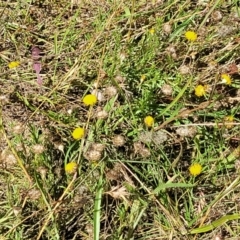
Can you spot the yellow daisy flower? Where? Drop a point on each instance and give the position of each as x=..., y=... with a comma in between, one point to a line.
x=149, y=121
x=191, y=36
x=200, y=90
x=13, y=64
x=195, y=169
x=152, y=31
x=90, y=100
x=71, y=168
x=226, y=79
x=229, y=119
x=78, y=133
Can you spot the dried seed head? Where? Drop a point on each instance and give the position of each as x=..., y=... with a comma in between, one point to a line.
x=98, y=147
x=167, y=28
x=171, y=51
x=103, y=114
x=122, y=56
x=98, y=94
x=18, y=129
x=17, y=210
x=118, y=140
x=186, y=131
x=167, y=90
x=43, y=172
x=145, y=137
x=93, y=155
x=119, y=79
x=216, y=16
x=118, y=192
x=34, y=194
x=137, y=147
x=110, y=91
x=115, y=173
x=3, y=99
x=237, y=165
x=184, y=69
x=159, y=137
x=144, y=152
x=7, y=158
x=38, y=149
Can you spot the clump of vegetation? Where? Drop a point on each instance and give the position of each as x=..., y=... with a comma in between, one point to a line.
x=119, y=119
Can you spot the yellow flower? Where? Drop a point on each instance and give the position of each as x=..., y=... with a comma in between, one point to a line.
x=191, y=36
x=78, y=133
x=149, y=121
x=71, y=168
x=143, y=77
x=13, y=64
x=90, y=100
x=200, y=90
x=152, y=31
x=226, y=79
x=229, y=119
x=195, y=169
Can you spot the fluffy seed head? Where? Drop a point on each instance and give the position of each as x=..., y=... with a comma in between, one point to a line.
x=167, y=28
x=110, y=91
x=38, y=149
x=93, y=155
x=98, y=147
x=118, y=140
x=167, y=90
x=103, y=114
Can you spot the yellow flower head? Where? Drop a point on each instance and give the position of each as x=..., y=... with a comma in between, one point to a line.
x=78, y=133
x=152, y=31
x=229, y=119
x=149, y=121
x=142, y=79
x=226, y=79
x=191, y=36
x=71, y=168
x=13, y=64
x=90, y=100
x=195, y=169
x=200, y=90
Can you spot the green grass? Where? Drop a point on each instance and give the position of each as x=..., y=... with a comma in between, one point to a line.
x=134, y=54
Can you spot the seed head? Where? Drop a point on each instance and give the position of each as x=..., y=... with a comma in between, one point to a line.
x=167, y=28
x=167, y=90
x=103, y=114
x=110, y=91
x=98, y=147
x=93, y=155
x=38, y=149
x=118, y=140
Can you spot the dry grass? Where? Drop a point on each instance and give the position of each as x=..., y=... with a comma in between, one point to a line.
x=132, y=182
